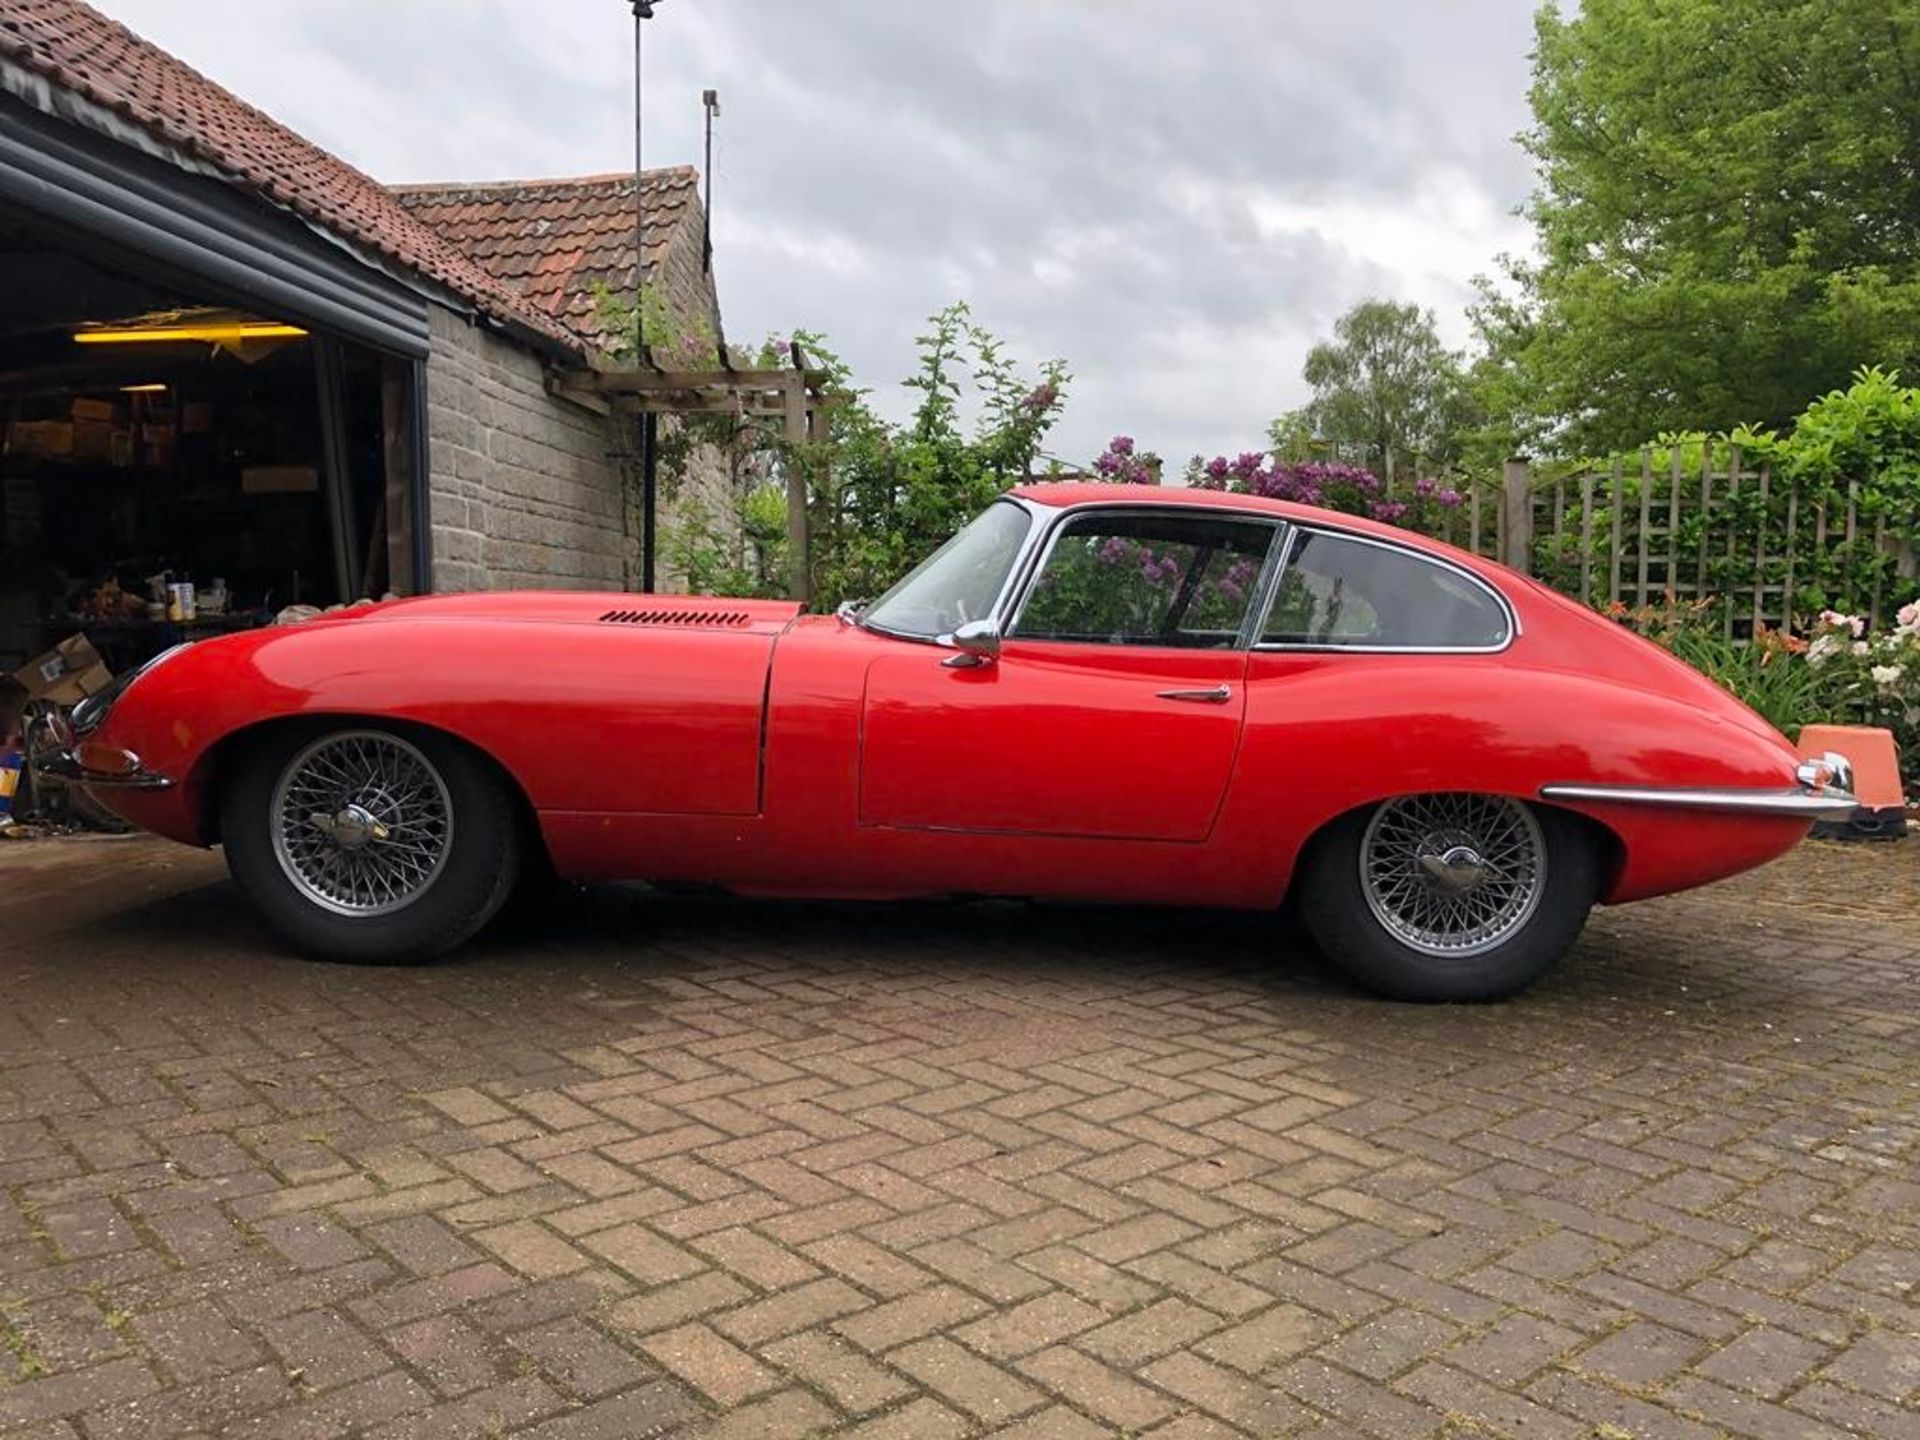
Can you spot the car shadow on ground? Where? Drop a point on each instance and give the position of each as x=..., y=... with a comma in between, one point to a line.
x=1644, y=966
x=614, y=970
x=615, y=934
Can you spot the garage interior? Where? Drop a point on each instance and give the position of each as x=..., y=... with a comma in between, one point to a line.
x=155, y=437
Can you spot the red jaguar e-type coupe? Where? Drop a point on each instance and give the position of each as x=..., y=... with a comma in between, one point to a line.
x=1096, y=692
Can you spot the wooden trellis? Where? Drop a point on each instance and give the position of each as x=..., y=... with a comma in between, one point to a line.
x=796, y=396
x=1695, y=527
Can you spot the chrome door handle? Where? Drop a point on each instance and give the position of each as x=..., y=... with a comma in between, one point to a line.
x=1218, y=695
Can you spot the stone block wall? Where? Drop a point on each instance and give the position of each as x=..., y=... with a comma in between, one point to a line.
x=527, y=488
x=531, y=491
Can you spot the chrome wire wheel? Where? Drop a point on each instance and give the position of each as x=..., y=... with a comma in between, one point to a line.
x=362, y=824
x=1453, y=875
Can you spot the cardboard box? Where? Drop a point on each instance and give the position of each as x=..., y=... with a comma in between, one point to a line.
x=51, y=439
x=279, y=480
x=66, y=674
x=92, y=440
x=98, y=410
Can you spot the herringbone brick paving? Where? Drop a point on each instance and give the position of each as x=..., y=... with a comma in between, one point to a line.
x=696, y=1167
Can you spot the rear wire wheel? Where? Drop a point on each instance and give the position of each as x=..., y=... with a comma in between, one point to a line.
x=1448, y=896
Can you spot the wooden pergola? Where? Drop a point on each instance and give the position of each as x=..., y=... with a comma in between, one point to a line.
x=795, y=395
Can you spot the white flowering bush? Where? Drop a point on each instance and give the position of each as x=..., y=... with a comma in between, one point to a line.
x=1839, y=673
x=1871, y=678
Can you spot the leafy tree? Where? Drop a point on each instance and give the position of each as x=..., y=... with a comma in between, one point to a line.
x=881, y=496
x=885, y=495
x=1384, y=385
x=1728, y=213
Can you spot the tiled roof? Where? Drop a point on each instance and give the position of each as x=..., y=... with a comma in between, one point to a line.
x=555, y=241
x=78, y=49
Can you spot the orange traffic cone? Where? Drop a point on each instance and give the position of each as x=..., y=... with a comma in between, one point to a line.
x=1876, y=780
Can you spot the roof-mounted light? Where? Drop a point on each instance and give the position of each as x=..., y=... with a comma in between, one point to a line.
x=219, y=334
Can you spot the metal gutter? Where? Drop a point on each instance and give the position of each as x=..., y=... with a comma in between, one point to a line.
x=200, y=228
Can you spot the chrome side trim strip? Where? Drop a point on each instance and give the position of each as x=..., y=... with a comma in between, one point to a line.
x=1826, y=804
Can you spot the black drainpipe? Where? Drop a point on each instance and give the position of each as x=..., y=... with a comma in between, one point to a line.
x=649, y=498
x=422, y=534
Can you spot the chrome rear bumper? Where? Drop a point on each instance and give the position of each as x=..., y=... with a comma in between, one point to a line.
x=1824, y=793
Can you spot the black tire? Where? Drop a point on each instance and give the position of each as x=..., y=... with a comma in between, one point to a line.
x=1334, y=904
x=473, y=871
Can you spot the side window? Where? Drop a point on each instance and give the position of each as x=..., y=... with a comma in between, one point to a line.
x=1136, y=579
x=1335, y=591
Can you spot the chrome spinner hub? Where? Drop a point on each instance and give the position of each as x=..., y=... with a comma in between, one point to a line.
x=351, y=828
x=1456, y=869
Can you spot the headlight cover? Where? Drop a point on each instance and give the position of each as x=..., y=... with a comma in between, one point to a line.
x=87, y=715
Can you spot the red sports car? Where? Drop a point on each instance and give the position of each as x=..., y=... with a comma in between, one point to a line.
x=1095, y=692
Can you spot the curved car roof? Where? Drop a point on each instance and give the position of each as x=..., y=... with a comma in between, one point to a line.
x=1061, y=494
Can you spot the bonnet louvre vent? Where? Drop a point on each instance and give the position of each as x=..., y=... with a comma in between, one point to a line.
x=674, y=617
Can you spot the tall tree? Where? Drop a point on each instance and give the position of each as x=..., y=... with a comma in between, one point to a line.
x=1384, y=385
x=1728, y=213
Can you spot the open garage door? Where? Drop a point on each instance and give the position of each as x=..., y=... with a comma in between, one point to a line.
x=208, y=411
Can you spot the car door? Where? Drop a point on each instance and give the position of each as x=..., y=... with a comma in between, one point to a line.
x=1114, y=707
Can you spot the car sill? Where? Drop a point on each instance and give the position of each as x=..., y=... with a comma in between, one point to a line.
x=1798, y=803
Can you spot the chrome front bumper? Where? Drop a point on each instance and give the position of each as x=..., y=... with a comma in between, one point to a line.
x=62, y=765
x=1824, y=792
x=112, y=769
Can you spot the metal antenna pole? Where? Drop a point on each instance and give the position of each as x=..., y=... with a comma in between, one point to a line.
x=642, y=12
x=710, y=102
x=649, y=422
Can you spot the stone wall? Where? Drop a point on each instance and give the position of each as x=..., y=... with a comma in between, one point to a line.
x=532, y=491
x=527, y=488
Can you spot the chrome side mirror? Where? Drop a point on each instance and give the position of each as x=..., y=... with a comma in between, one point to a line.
x=978, y=642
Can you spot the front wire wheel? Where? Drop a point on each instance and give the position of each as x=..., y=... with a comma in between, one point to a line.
x=1448, y=895
x=362, y=822
x=369, y=843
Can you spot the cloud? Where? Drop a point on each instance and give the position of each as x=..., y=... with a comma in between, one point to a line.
x=1175, y=198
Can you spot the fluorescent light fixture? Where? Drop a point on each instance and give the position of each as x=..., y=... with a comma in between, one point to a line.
x=229, y=333
x=154, y=389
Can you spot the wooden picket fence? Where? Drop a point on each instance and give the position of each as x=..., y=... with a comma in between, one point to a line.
x=1699, y=526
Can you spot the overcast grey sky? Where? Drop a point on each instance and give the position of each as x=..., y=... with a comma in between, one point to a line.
x=1177, y=197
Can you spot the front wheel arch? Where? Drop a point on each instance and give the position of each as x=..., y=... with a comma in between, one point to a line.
x=221, y=761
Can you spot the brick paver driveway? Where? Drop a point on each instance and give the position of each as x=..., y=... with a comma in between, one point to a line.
x=653, y=1165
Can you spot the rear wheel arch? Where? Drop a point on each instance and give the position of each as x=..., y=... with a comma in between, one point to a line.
x=1610, y=851
x=1401, y=945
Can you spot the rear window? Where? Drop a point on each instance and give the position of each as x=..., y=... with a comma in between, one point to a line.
x=1339, y=592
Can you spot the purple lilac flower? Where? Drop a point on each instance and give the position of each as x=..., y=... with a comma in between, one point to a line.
x=1388, y=510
